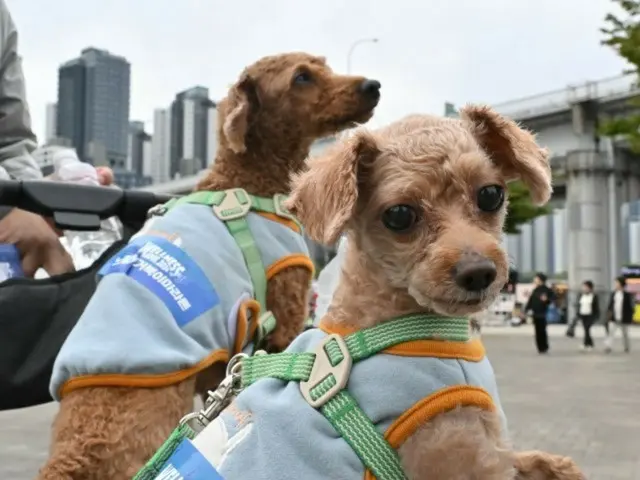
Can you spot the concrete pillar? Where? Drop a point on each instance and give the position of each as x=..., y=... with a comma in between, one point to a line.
x=514, y=249
x=616, y=160
x=588, y=204
x=633, y=179
x=560, y=240
x=587, y=216
x=526, y=249
x=634, y=242
x=542, y=244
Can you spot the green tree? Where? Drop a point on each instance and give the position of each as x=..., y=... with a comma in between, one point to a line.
x=521, y=211
x=622, y=33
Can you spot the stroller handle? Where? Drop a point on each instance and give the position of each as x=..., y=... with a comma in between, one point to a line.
x=78, y=207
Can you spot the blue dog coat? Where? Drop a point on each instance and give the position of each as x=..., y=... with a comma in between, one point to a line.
x=178, y=298
x=272, y=431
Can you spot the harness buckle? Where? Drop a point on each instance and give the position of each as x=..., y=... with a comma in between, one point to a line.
x=278, y=201
x=330, y=371
x=235, y=204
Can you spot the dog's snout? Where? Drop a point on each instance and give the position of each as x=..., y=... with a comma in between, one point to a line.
x=475, y=273
x=370, y=88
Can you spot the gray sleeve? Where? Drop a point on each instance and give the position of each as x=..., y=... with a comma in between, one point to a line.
x=17, y=140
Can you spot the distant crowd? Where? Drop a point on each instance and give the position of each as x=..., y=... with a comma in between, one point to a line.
x=618, y=314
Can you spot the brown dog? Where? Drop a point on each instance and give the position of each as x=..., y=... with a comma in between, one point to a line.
x=267, y=123
x=423, y=204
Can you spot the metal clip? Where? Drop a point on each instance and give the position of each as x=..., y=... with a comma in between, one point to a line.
x=156, y=211
x=221, y=397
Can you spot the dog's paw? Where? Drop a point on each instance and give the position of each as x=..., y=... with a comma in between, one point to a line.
x=537, y=465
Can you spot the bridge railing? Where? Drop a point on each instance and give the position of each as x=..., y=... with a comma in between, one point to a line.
x=558, y=100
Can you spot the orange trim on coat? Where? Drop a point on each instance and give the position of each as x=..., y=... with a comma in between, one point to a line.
x=142, y=380
x=287, y=222
x=442, y=401
x=242, y=325
x=165, y=379
x=471, y=351
x=288, y=261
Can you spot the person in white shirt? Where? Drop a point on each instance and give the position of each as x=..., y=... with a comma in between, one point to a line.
x=588, y=311
x=620, y=314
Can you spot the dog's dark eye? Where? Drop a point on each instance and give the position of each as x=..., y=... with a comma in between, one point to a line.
x=302, y=78
x=490, y=198
x=399, y=218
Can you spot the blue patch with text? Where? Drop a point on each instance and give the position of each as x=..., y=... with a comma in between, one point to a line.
x=187, y=463
x=167, y=271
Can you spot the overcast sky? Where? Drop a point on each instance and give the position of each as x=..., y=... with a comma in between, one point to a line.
x=430, y=51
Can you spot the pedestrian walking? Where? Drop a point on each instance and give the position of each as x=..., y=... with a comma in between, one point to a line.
x=588, y=312
x=537, y=305
x=619, y=314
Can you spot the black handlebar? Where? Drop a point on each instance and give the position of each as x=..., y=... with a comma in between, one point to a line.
x=79, y=207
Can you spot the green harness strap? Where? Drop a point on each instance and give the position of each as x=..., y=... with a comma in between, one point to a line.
x=232, y=206
x=324, y=375
x=154, y=466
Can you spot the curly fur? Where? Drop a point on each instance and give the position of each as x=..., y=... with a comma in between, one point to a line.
x=266, y=125
x=435, y=165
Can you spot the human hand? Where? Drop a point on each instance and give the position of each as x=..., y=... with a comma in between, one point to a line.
x=38, y=244
x=105, y=176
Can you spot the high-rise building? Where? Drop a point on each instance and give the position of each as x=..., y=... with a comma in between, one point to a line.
x=51, y=121
x=191, y=132
x=93, y=106
x=161, y=146
x=139, y=146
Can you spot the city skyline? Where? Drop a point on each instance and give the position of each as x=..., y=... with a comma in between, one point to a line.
x=92, y=116
x=425, y=57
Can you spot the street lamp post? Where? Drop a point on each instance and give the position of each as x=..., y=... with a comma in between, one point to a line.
x=353, y=47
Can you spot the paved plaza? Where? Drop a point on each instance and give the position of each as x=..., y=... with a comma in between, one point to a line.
x=583, y=405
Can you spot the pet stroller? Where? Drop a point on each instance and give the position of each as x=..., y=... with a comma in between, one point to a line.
x=36, y=315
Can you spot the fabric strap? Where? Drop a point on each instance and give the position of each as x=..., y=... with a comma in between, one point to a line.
x=362, y=344
x=154, y=466
x=341, y=409
x=235, y=218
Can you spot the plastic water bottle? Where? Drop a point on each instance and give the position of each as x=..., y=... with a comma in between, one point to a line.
x=328, y=280
x=85, y=247
x=10, y=266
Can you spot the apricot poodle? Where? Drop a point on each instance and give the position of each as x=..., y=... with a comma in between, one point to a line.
x=393, y=368
x=130, y=369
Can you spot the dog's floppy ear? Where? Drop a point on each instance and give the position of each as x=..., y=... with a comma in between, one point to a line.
x=513, y=149
x=324, y=197
x=241, y=102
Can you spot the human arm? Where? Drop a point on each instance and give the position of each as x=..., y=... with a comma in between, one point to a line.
x=17, y=140
x=527, y=306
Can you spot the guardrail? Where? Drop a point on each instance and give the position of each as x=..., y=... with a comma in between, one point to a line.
x=621, y=86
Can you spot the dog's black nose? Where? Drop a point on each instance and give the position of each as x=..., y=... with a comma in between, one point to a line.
x=475, y=273
x=371, y=88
